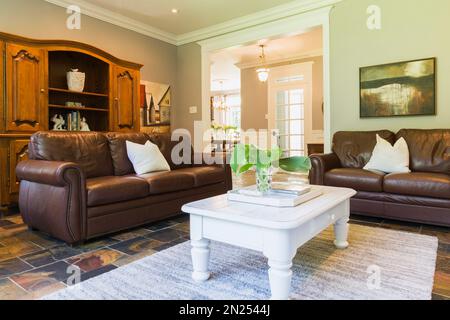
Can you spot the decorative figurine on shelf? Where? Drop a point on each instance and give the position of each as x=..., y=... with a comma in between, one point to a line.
x=59, y=122
x=75, y=80
x=152, y=111
x=83, y=125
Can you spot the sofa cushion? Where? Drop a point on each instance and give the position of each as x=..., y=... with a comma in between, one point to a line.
x=429, y=149
x=206, y=175
x=403, y=199
x=389, y=158
x=423, y=184
x=358, y=179
x=123, y=166
x=117, y=145
x=87, y=149
x=146, y=158
x=168, y=181
x=107, y=190
x=166, y=146
x=354, y=148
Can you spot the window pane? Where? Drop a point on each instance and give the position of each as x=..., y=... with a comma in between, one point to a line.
x=283, y=127
x=282, y=112
x=227, y=110
x=284, y=142
x=290, y=79
x=296, y=142
x=297, y=78
x=282, y=80
x=297, y=153
x=296, y=96
x=296, y=127
x=297, y=111
x=290, y=118
x=282, y=98
x=233, y=100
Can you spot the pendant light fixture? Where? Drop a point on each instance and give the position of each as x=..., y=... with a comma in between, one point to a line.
x=263, y=72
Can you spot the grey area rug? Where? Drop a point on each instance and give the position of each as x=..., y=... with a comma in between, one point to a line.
x=405, y=261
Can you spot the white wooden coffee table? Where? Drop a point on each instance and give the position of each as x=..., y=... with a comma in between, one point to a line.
x=276, y=232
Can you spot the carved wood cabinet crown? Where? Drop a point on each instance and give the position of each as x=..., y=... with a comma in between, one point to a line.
x=33, y=89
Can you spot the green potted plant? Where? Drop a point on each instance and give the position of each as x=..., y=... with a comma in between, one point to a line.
x=247, y=156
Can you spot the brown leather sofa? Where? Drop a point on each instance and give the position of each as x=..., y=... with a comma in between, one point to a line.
x=420, y=196
x=79, y=186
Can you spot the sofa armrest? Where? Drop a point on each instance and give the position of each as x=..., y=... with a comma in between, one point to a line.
x=52, y=198
x=322, y=163
x=46, y=172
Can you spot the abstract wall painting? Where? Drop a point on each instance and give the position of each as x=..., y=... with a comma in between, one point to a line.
x=398, y=89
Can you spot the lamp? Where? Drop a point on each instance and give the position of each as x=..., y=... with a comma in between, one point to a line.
x=220, y=101
x=263, y=72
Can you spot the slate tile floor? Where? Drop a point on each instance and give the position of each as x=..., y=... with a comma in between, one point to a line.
x=33, y=265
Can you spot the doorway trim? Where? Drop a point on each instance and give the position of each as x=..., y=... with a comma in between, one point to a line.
x=289, y=26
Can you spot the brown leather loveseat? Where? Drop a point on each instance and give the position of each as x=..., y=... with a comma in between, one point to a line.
x=78, y=186
x=420, y=196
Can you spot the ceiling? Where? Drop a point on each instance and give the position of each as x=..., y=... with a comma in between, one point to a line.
x=193, y=14
x=223, y=62
x=196, y=19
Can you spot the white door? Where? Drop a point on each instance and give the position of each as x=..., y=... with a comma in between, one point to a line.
x=290, y=107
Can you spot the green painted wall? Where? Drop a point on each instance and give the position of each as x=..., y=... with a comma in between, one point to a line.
x=411, y=29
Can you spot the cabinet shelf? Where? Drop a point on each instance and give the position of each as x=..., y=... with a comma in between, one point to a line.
x=78, y=93
x=56, y=106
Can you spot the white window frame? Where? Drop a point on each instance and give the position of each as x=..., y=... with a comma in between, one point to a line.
x=305, y=83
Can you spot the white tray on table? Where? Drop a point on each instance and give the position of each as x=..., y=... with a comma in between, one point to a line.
x=272, y=198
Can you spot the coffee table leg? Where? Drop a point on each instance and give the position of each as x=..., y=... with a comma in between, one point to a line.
x=280, y=276
x=200, y=259
x=341, y=233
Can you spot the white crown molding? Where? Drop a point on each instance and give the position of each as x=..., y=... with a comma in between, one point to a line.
x=117, y=19
x=279, y=12
x=257, y=63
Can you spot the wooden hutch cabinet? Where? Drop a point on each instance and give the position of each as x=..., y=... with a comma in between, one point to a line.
x=126, y=89
x=33, y=89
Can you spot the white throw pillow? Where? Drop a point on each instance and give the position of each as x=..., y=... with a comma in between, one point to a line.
x=146, y=158
x=388, y=158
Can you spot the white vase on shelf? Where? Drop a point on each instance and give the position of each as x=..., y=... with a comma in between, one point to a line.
x=75, y=80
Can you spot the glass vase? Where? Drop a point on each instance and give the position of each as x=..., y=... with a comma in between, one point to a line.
x=263, y=179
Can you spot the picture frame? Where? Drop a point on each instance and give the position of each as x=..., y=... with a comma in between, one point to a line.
x=399, y=89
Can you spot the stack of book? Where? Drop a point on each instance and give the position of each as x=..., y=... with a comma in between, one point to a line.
x=281, y=195
x=73, y=121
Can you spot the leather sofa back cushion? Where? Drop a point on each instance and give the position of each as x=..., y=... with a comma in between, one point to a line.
x=117, y=144
x=354, y=148
x=166, y=145
x=89, y=150
x=429, y=149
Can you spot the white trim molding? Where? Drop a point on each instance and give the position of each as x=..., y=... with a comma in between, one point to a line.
x=292, y=25
x=290, y=9
x=293, y=8
x=119, y=20
x=257, y=63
